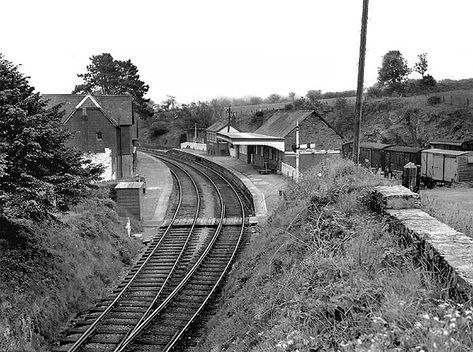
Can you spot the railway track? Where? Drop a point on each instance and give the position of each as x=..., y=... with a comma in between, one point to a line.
x=169, y=287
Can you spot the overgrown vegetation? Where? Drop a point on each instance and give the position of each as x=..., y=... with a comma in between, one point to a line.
x=60, y=240
x=326, y=275
x=52, y=269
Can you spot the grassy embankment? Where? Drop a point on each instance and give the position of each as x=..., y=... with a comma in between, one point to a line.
x=52, y=269
x=326, y=275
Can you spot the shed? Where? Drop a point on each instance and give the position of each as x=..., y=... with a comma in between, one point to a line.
x=130, y=198
x=447, y=165
x=396, y=157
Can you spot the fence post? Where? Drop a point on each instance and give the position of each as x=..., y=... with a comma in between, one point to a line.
x=410, y=177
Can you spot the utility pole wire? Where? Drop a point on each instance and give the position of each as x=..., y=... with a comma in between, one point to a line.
x=359, y=88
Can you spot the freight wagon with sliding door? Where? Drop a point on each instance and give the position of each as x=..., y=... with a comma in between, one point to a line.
x=371, y=154
x=448, y=166
x=396, y=157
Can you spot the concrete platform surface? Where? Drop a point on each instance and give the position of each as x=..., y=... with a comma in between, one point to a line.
x=159, y=186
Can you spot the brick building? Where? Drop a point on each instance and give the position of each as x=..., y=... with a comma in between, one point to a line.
x=101, y=125
x=313, y=130
x=273, y=144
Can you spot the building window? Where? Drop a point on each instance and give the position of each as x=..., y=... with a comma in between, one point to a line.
x=99, y=136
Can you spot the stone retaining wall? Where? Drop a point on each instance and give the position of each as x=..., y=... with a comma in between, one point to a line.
x=445, y=251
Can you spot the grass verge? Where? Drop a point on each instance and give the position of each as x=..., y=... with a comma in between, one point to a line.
x=325, y=274
x=50, y=270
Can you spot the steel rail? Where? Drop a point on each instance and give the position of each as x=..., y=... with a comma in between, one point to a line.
x=184, y=281
x=171, y=272
x=90, y=330
x=178, y=335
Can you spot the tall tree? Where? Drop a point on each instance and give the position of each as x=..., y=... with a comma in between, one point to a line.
x=292, y=96
x=421, y=66
x=39, y=172
x=273, y=98
x=313, y=95
x=394, y=70
x=105, y=75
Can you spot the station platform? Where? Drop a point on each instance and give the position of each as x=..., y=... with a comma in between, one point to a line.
x=159, y=186
x=265, y=189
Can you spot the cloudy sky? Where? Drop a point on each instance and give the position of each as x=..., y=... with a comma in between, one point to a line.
x=201, y=49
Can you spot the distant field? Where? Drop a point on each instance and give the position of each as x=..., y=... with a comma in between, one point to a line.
x=455, y=97
x=331, y=101
x=249, y=109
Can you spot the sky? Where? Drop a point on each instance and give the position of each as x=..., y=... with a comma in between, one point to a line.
x=202, y=49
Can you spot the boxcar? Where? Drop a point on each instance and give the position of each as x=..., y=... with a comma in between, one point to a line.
x=439, y=165
x=396, y=157
x=450, y=144
x=371, y=154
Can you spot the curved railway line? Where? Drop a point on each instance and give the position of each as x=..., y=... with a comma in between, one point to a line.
x=155, y=305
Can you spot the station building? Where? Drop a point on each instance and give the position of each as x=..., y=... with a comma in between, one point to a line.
x=272, y=147
x=218, y=146
x=103, y=126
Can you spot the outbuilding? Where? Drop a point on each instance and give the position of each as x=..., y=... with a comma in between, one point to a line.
x=130, y=198
x=439, y=165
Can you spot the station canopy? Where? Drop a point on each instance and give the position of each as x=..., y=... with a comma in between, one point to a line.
x=246, y=138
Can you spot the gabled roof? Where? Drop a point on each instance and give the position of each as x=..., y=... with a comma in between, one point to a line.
x=283, y=122
x=219, y=125
x=117, y=108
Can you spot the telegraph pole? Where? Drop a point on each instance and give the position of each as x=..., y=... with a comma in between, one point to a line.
x=231, y=114
x=297, y=151
x=359, y=88
x=229, y=110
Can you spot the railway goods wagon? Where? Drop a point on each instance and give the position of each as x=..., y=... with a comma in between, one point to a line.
x=450, y=144
x=396, y=157
x=371, y=154
x=439, y=165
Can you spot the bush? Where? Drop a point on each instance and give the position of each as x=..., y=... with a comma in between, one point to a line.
x=434, y=99
x=158, y=129
x=45, y=269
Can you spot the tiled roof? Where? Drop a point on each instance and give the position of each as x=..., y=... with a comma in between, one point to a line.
x=283, y=122
x=117, y=107
x=217, y=126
